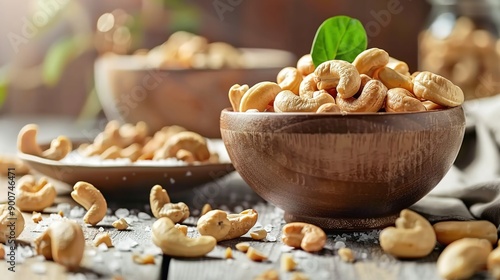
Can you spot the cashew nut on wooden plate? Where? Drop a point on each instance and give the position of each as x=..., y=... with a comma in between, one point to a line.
x=63, y=242
x=188, y=141
x=162, y=207
x=92, y=200
x=413, y=236
x=27, y=143
x=11, y=223
x=309, y=237
x=174, y=243
x=223, y=226
x=33, y=195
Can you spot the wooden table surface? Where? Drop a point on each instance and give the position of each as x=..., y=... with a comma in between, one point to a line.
x=229, y=193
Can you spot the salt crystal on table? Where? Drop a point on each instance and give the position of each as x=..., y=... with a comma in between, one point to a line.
x=122, y=213
x=339, y=245
x=363, y=255
x=286, y=248
x=98, y=259
x=101, y=229
x=190, y=229
x=245, y=266
x=131, y=219
x=77, y=212
x=102, y=247
x=64, y=207
x=271, y=238
x=147, y=229
x=153, y=250
x=257, y=226
x=143, y=216
x=56, y=217
x=114, y=265
x=117, y=255
x=91, y=253
x=38, y=228
x=301, y=254
x=268, y=228
x=122, y=246
x=324, y=274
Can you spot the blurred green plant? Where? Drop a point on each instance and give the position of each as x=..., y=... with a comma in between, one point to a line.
x=180, y=16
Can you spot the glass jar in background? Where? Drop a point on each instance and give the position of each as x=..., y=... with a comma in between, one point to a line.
x=461, y=42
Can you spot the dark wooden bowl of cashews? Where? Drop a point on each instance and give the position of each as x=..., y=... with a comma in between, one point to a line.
x=343, y=171
x=130, y=90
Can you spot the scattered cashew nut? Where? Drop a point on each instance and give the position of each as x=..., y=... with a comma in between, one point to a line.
x=162, y=207
x=174, y=243
x=33, y=195
x=309, y=237
x=340, y=75
x=92, y=200
x=413, y=236
x=11, y=221
x=221, y=226
x=462, y=258
x=449, y=231
x=27, y=143
x=62, y=242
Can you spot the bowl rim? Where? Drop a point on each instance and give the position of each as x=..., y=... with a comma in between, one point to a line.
x=230, y=111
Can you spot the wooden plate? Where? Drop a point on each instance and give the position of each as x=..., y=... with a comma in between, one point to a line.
x=129, y=180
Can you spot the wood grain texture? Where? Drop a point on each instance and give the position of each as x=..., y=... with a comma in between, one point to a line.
x=336, y=167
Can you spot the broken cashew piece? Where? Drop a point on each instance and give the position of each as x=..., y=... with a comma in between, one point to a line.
x=174, y=243
x=120, y=224
x=27, y=143
x=450, y=231
x=185, y=140
x=401, y=100
x=162, y=207
x=223, y=226
x=309, y=237
x=63, y=242
x=236, y=92
x=369, y=60
x=259, y=96
x=33, y=195
x=258, y=234
x=413, y=236
x=462, y=258
x=10, y=215
x=371, y=99
x=305, y=65
x=430, y=86
x=289, y=78
x=339, y=75
x=493, y=263
x=92, y=200
x=287, y=101
x=101, y=238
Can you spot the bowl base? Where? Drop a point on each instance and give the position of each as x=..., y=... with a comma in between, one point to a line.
x=344, y=224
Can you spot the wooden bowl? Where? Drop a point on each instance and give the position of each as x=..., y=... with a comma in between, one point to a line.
x=131, y=91
x=343, y=172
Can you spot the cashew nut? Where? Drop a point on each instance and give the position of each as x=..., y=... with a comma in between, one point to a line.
x=27, y=143
x=287, y=263
x=182, y=228
x=392, y=79
x=112, y=152
x=401, y=100
x=289, y=78
x=243, y=246
x=399, y=66
x=303, y=235
x=143, y=259
x=10, y=215
x=259, y=96
x=308, y=86
x=413, y=236
x=222, y=226
x=493, y=263
x=186, y=140
x=7, y=162
x=160, y=137
x=120, y=224
x=36, y=217
x=305, y=65
x=33, y=195
x=255, y=255
x=206, y=208
x=174, y=243
x=449, y=231
x=287, y=101
x=236, y=92
x=347, y=255
x=92, y=200
x=462, y=258
x=162, y=207
x=328, y=108
x=103, y=237
x=339, y=75
x=132, y=152
x=430, y=86
x=369, y=60
x=228, y=253
x=2, y=252
x=371, y=99
x=63, y=242
x=429, y=105
x=258, y=234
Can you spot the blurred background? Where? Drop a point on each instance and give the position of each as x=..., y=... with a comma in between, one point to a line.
x=48, y=47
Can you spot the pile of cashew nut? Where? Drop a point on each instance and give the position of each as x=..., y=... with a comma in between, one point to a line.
x=373, y=82
x=187, y=50
x=132, y=142
x=468, y=244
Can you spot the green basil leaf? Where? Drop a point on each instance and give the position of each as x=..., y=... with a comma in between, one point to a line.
x=339, y=37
